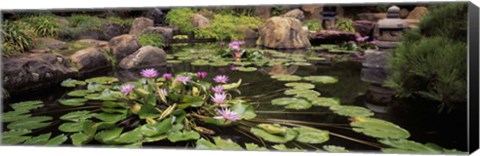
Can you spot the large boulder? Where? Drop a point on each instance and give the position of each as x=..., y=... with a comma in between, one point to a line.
x=166, y=32
x=98, y=43
x=90, y=59
x=50, y=43
x=404, y=13
x=139, y=24
x=156, y=14
x=147, y=56
x=364, y=27
x=263, y=12
x=283, y=33
x=199, y=21
x=417, y=13
x=111, y=30
x=313, y=12
x=123, y=45
x=334, y=36
x=25, y=72
x=295, y=13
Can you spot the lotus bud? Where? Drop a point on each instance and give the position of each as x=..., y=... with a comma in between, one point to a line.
x=168, y=111
x=195, y=91
x=135, y=108
x=150, y=121
x=204, y=130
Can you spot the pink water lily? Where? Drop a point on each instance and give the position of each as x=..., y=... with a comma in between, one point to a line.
x=221, y=79
x=164, y=92
x=183, y=79
x=149, y=73
x=373, y=42
x=362, y=39
x=167, y=76
x=235, y=45
x=227, y=114
x=127, y=89
x=202, y=75
x=217, y=89
x=359, y=55
x=219, y=98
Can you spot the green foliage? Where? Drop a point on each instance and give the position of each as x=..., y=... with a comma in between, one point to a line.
x=313, y=25
x=153, y=39
x=431, y=62
x=344, y=24
x=181, y=17
x=43, y=25
x=17, y=37
x=229, y=27
x=80, y=23
x=276, y=11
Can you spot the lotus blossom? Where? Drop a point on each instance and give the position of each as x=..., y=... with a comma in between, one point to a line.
x=167, y=76
x=127, y=88
x=183, y=79
x=359, y=55
x=373, y=42
x=227, y=114
x=221, y=79
x=217, y=89
x=219, y=98
x=233, y=67
x=235, y=45
x=222, y=43
x=202, y=75
x=164, y=92
x=149, y=73
x=237, y=54
x=362, y=39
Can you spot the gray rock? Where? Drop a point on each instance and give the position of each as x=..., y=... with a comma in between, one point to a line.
x=364, y=27
x=199, y=21
x=263, y=12
x=93, y=42
x=90, y=59
x=313, y=12
x=417, y=13
x=139, y=24
x=283, y=33
x=50, y=43
x=375, y=59
x=295, y=13
x=404, y=13
x=123, y=45
x=166, y=32
x=111, y=30
x=147, y=56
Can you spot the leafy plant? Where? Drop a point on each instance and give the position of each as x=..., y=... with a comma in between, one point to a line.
x=153, y=39
x=43, y=25
x=228, y=27
x=181, y=17
x=313, y=25
x=17, y=37
x=344, y=24
x=278, y=10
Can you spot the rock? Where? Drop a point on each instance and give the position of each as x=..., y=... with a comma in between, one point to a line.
x=375, y=59
x=374, y=75
x=123, y=45
x=404, y=13
x=334, y=36
x=40, y=50
x=98, y=43
x=372, y=16
x=26, y=72
x=147, y=56
x=263, y=12
x=283, y=33
x=417, y=13
x=166, y=32
x=365, y=28
x=50, y=43
x=90, y=59
x=111, y=30
x=156, y=14
x=249, y=33
x=295, y=13
x=312, y=12
x=412, y=23
x=91, y=34
x=62, y=21
x=139, y=24
x=199, y=21
x=340, y=12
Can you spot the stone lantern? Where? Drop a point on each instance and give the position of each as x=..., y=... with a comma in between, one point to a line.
x=328, y=16
x=389, y=31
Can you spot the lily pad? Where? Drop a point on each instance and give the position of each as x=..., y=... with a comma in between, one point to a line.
x=254, y=147
x=110, y=117
x=73, y=102
x=246, y=69
x=79, y=139
x=108, y=136
x=102, y=80
x=71, y=127
x=30, y=123
x=58, y=140
x=77, y=116
x=79, y=93
x=351, y=111
x=38, y=140
x=321, y=79
x=200, y=63
x=300, y=85
x=218, y=64
x=406, y=146
x=177, y=136
x=282, y=147
x=173, y=61
x=313, y=58
x=324, y=101
x=378, y=128
x=292, y=103
x=311, y=135
x=336, y=149
x=244, y=111
x=15, y=115
x=132, y=136
x=27, y=105
x=286, y=77
x=203, y=144
x=226, y=144
x=288, y=136
x=156, y=129
x=301, y=64
x=72, y=83
x=15, y=136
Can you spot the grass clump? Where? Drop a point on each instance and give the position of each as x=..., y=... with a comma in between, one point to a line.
x=313, y=25
x=152, y=39
x=229, y=27
x=345, y=25
x=17, y=36
x=181, y=17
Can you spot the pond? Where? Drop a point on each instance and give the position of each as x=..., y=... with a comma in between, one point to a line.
x=260, y=88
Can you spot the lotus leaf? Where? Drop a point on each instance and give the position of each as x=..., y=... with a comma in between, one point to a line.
x=286, y=77
x=300, y=85
x=378, y=128
x=73, y=102
x=72, y=83
x=102, y=80
x=288, y=136
x=351, y=111
x=30, y=123
x=311, y=135
x=332, y=148
x=321, y=79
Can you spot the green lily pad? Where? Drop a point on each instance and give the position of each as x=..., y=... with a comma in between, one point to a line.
x=72, y=83
x=15, y=136
x=288, y=136
x=114, y=104
x=300, y=85
x=184, y=58
x=232, y=85
x=169, y=57
x=15, y=115
x=203, y=144
x=156, y=129
x=336, y=149
x=244, y=111
x=73, y=102
x=108, y=136
x=311, y=135
x=173, y=61
x=71, y=127
x=38, y=140
x=246, y=69
x=95, y=87
x=313, y=58
x=254, y=147
x=406, y=146
x=177, y=136
x=282, y=147
x=301, y=64
x=378, y=128
x=58, y=140
x=79, y=93
x=351, y=111
x=132, y=136
x=286, y=77
x=102, y=80
x=323, y=101
x=27, y=105
x=106, y=95
x=292, y=103
x=200, y=63
x=30, y=123
x=77, y=116
x=110, y=117
x=226, y=144
x=321, y=79
x=154, y=138
x=218, y=64
x=79, y=139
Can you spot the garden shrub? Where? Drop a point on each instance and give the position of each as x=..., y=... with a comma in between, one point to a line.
x=17, y=37
x=43, y=25
x=313, y=25
x=431, y=63
x=345, y=25
x=228, y=27
x=152, y=39
x=181, y=17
